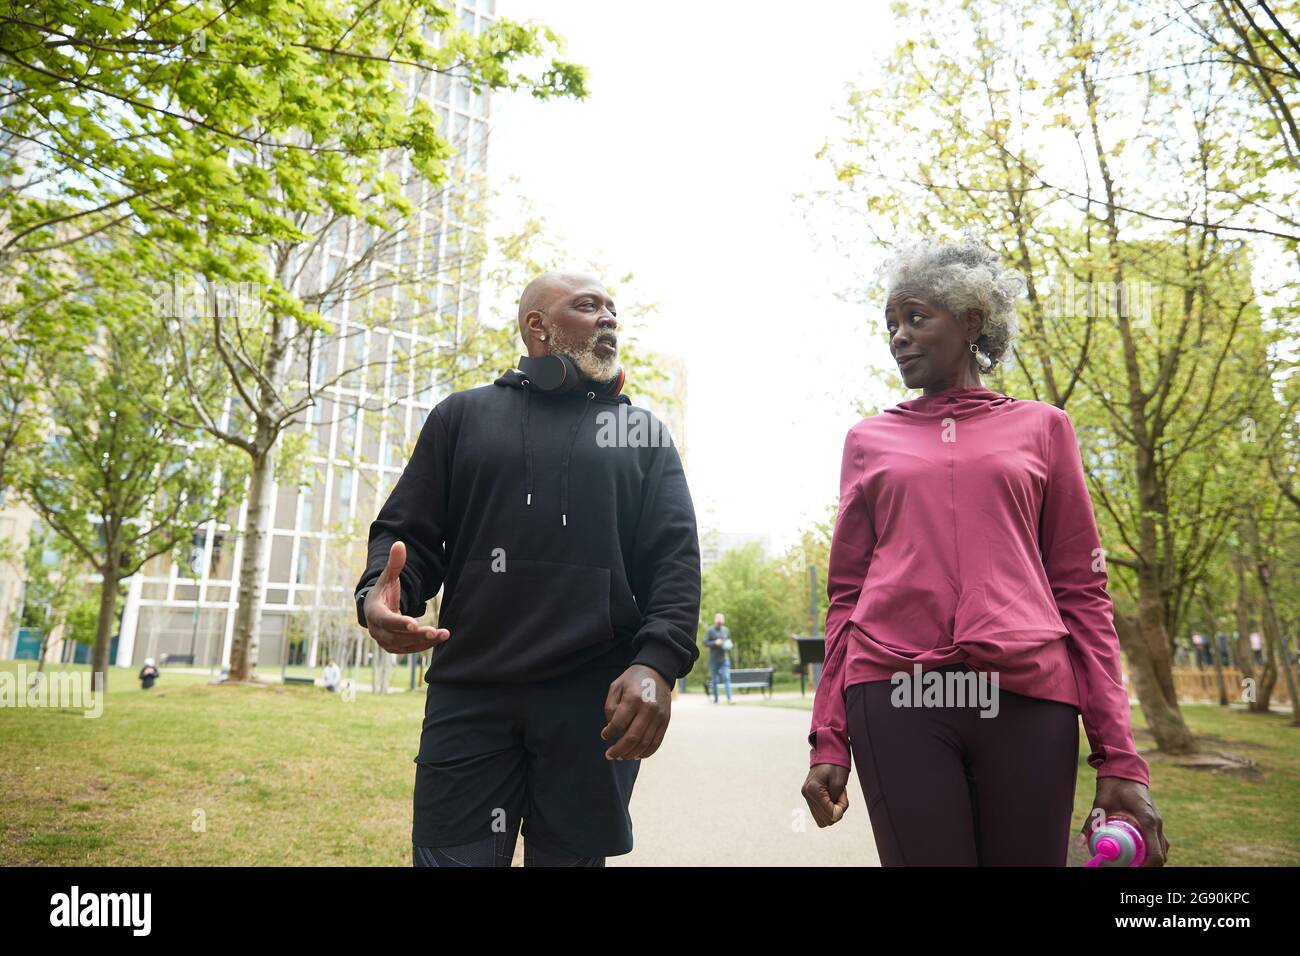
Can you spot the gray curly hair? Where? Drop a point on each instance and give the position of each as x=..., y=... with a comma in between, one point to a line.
x=960, y=275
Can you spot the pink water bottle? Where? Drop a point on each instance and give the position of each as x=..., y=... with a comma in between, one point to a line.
x=1117, y=842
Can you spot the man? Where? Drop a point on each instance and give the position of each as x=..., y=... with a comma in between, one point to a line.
x=718, y=640
x=565, y=545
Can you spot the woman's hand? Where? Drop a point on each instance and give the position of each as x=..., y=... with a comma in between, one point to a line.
x=826, y=792
x=1132, y=799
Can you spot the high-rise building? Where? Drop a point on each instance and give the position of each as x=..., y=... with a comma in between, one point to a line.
x=317, y=544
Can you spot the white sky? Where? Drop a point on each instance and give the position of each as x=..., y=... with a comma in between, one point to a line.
x=682, y=166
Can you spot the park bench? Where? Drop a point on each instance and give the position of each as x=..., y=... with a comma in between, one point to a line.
x=746, y=678
x=177, y=659
x=300, y=680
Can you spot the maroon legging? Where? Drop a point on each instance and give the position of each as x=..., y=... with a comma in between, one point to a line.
x=947, y=787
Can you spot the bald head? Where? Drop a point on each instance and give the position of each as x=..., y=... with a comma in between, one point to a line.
x=572, y=314
x=544, y=290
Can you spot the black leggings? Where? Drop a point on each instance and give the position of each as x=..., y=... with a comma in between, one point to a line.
x=947, y=787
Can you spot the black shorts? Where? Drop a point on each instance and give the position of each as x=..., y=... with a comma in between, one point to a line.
x=491, y=754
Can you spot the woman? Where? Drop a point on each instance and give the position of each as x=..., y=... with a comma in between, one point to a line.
x=966, y=556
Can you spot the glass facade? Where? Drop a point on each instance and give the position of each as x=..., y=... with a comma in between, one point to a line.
x=358, y=435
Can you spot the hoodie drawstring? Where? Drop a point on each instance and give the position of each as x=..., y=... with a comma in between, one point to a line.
x=568, y=454
x=564, y=468
x=528, y=451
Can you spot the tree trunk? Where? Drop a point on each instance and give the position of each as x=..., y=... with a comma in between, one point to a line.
x=107, y=609
x=381, y=672
x=46, y=633
x=1148, y=643
x=1212, y=624
x=252, y=565
x=1290, y=679
x=1245, y=654
x=1164, y=720
x=45, y=649
x=1268, y=619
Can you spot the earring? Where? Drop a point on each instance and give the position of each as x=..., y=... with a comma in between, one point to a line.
x=542, y=337
x=981, y=359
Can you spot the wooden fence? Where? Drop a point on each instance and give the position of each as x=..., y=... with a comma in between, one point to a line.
x=1195, y=684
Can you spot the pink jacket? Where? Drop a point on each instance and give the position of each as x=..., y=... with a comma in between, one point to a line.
x=965, y=533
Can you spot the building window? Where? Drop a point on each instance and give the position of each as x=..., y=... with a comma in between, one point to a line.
x=345, y=493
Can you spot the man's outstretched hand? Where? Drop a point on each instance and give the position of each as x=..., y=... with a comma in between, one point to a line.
x=638, y=706
x=391, y=629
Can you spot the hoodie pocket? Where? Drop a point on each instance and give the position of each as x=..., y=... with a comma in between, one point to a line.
x=523, y=623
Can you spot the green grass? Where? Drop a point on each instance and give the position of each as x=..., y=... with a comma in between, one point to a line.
x=297, y=776
x=1226, y=819
x=283, y=775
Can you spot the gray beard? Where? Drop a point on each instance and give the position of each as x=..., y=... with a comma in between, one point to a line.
x=584, y=356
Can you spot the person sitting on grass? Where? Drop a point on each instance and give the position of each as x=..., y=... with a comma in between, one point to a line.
x=148, y=674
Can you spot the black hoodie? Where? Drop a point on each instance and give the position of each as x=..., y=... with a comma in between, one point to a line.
x=561, y=534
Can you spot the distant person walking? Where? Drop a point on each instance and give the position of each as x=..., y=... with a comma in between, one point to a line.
x=718, y=640
x=148, y=674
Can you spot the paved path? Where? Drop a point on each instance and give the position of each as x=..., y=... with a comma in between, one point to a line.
x=724, y=790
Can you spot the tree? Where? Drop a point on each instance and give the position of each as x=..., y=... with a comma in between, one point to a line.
x=1160, y=369
x=188, y=119
x=811, y=552
x=119, y=484
x=278, y=365
x=215, y=134
x=1257, y=47
x=746, y=587
x=50, y=587
x=30, y=323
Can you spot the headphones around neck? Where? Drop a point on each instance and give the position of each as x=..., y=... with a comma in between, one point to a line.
x=558, y=373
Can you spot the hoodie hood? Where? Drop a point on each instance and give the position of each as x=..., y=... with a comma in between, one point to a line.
x=514, y=378
x=527, y=594
x=592, y=392
x=959, y=402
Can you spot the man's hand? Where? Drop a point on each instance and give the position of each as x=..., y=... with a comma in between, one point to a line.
x=826, y=790
x=638, y=706
x=391, y=629
x=1132, y=799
